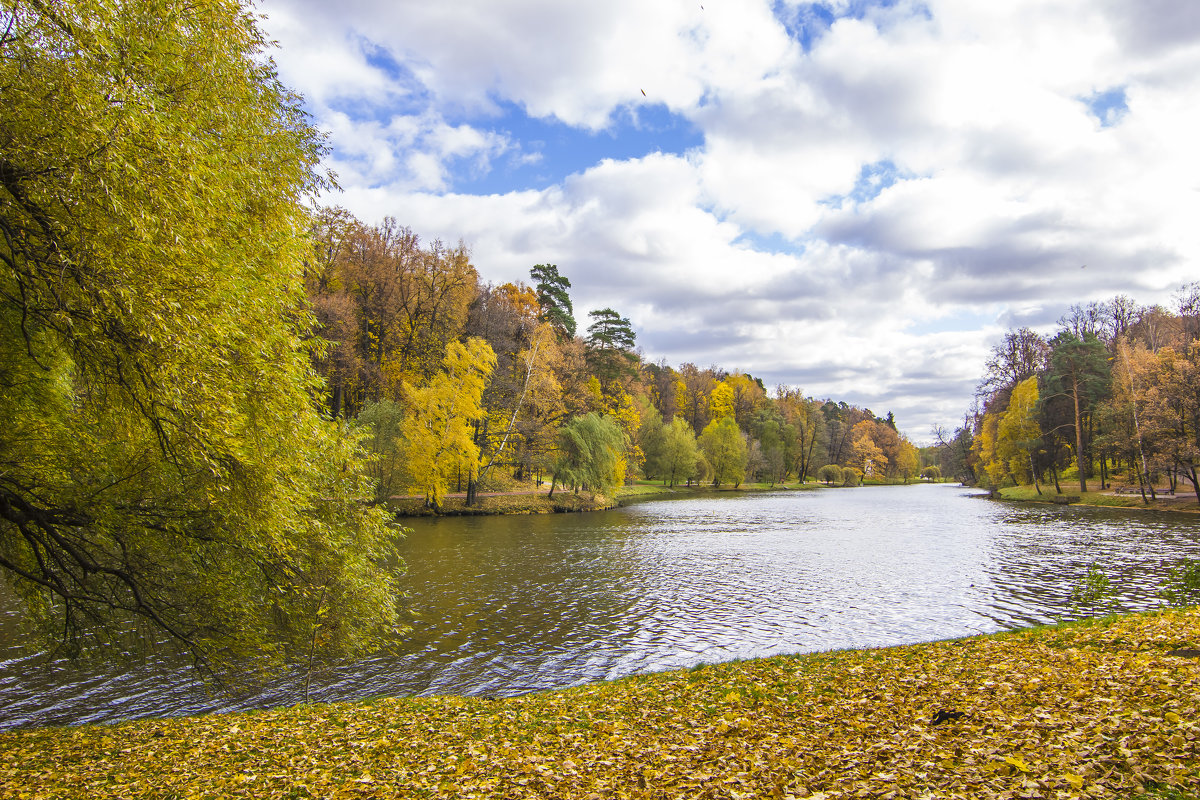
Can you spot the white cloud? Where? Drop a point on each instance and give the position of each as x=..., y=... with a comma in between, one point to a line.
x=927, y=161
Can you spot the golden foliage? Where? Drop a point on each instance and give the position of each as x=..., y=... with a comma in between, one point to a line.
x=437, y=431
x=1098, y=709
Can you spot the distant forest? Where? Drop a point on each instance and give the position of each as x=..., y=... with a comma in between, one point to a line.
x=1112, y=398
x=459, y=383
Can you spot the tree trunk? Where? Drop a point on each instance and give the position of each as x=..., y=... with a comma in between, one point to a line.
x=1190, y=473
x=336, y=404
x=1078, y=435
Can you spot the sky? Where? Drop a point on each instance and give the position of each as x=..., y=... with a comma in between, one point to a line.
x=855, y=198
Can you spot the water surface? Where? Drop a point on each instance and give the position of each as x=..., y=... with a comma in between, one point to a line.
x=505, y=605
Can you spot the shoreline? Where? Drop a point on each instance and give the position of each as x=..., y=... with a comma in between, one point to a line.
x=1106, y=707
x=536, y=501
x=1179, y=504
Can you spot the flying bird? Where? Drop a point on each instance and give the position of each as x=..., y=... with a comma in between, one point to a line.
x=643, y=92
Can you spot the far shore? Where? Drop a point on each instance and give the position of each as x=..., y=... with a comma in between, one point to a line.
x=1181, y=501
x=537, y=500
x=528, y=499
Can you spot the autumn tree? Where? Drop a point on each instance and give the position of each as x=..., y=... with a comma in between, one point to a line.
x=803, y=416
x=1018, y=434
x=693, y=395
x=670, y=448
x=162, y=462
x=663, y=385
x=908, y=461
x=725, y=450
x=523, y=394
x=382, y=423
x=992, y=468
x=437, y=429
x=1021, y=354
x=868, y=456
x=1171, y=409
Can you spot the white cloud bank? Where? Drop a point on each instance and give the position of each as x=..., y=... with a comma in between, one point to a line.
x=863, y=215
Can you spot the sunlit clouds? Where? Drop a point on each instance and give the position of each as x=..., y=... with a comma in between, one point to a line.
x=849, y=197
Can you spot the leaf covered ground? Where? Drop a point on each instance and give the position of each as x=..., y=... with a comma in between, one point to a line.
x=1093, y=709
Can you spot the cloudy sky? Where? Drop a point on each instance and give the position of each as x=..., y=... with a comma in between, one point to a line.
x=852, y=197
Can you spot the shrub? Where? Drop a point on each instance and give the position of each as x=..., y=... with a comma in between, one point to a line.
x=830, y=474
x=1183, y=584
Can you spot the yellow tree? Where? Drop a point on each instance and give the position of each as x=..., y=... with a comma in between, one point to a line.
x=909, y=462
x=984, y=447
x=693, y=393
x=868, y=456
x=437, y=431
x=162, y=460
x=1018, y=433
x=725, y=450
x=721, y=402
x=746, y=397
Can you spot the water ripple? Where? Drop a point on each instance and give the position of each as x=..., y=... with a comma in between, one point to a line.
x=509, y=605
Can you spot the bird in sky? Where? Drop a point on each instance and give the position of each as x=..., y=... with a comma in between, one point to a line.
x=643, y=92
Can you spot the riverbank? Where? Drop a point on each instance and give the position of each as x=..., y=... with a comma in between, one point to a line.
x=521, y=502
x=1100, y=708
x=538, y=501
x=1183, y=502
x=657, y=489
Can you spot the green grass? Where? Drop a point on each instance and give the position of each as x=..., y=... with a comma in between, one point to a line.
x=1182, y=502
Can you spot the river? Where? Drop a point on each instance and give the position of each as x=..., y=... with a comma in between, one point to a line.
x=506, y=605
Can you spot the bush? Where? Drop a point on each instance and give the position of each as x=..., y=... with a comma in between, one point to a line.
x=1093, y=591
x=851, y=476
x=1183, y=584
x=830, y=473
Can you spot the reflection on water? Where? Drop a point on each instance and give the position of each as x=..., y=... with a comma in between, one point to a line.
x=504, y=605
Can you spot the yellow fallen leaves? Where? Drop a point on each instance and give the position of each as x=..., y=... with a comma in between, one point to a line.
x=1094, y=709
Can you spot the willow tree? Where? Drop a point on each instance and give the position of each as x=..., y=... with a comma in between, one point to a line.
x=162, y=462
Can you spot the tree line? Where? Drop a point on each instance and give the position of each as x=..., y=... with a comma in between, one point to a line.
x=1112, y=397
x=207, y=384
x=463, y=383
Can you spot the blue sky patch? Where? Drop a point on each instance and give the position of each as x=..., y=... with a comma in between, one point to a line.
x=1108, y=107
x=545, y=151
x=965, y=320
x=769, y=243
x=871, y=181
x=808, y=22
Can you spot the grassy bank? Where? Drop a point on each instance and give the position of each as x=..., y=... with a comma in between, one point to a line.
x=1094, y=709
x=517, y=503
x=1181, y=502
x=524, y=499
x=652, y=489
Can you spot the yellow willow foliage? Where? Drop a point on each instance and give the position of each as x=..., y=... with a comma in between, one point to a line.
x=438, y=432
